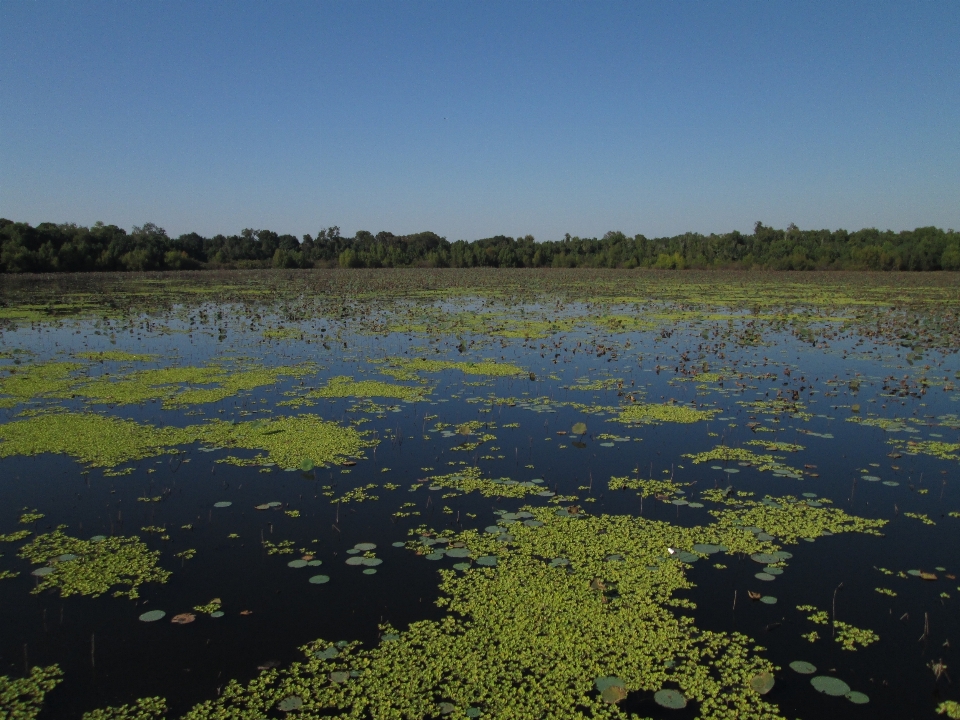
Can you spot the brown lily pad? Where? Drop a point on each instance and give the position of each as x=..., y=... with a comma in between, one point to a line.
x=183, y=618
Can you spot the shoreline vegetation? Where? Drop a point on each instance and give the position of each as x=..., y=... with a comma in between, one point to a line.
x=71, y=248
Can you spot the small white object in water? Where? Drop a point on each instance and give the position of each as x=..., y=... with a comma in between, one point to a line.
x=671, y=550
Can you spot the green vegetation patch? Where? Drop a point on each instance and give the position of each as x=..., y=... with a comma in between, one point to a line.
x=776, y=446
x=96, y=440
x=487, y=367
x=847, y=635
x=527, y=638
x=114, y=356
x=345, y=386
x=89, y=567
x=788, y=518
x=288, y=441
x=174, y=385
x=648, y=413
x=933, y=448
x=103, y=441
x=31, y=381
x=152, y=708
x=470, y=479
x=22, y=698
x=727, y=454
x=646, y=488
x=599, y=384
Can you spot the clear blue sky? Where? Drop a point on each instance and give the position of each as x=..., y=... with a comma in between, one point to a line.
x=478, y=118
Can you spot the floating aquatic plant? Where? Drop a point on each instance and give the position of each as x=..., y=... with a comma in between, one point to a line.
x=151, y=708
x=647, y=413
x=22, y=698
x=96, y=566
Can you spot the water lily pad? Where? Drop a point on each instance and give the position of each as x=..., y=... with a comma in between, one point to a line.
x=891, y=483
x=314, y=563
x=435, y=556
x=830, y=685
x=762, y=683
x=858, y=698
x=803, y=667
x=217, y=614
x=399, y=544
x=579, y=428
x=706, y=548
x=461, y=566
x=153, y=616
x=603, y=683
x=687, y=557
x=40, y=572
x=766, y=577
x=695, y=505
x=98, y=538
x=768, y=600
x=670, y=699
x=369, y=571
x=458, y=552
x=771, y=570
x=390, y=637
x=532, y=523
x=355, y=560
x=222, y=504
x=340, y=676
x=365, y=546
x=290, y=703
x=297, y=563
x=493, y=529
x=372, y=562
x=319, y=579
x=329, y=654
x=606, y=444
x=487, y=560
x=764, y=558
x=183, y=619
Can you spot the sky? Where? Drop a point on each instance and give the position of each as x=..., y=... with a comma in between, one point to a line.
x=473, y=119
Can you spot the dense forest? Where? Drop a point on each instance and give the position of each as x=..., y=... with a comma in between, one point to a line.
x=51, y=247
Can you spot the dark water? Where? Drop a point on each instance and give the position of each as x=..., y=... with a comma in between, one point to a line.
x=109, y=657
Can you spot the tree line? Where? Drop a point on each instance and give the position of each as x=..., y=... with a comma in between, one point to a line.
x=67, y=247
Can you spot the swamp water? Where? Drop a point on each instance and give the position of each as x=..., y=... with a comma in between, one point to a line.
x=469, y=494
